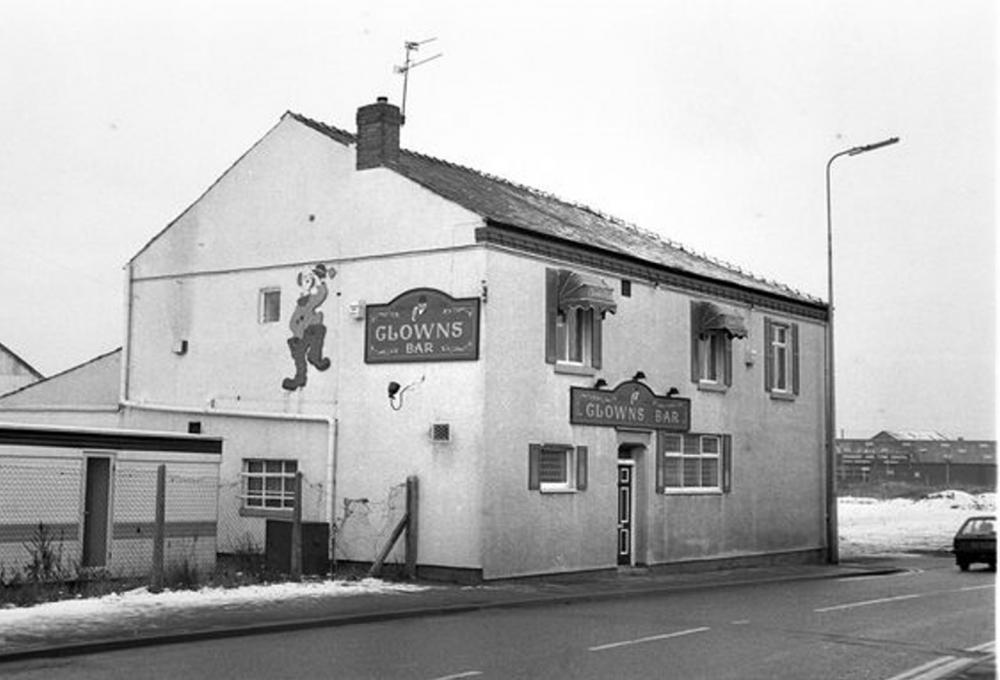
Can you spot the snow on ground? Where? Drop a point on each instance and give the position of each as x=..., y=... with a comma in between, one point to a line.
x=866, y=527
x=873, y=527
x=140, y=602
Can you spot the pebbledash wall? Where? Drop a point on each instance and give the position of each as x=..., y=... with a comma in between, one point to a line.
x=91, y=494
x=224, y=336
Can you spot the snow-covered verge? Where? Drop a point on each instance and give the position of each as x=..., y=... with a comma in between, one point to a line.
x=135, y=604
x=871, y=527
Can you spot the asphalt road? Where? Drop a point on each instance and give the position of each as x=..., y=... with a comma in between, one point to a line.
x=862, y=627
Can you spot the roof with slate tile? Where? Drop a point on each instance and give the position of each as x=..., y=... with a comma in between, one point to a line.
x=512, y=204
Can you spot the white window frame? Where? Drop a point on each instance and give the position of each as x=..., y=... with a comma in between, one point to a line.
x=255, y=501
x=781, y=356
x=262, y=308
x=575, y=323
x=568, y=483
x=684, y=457
x=712, y=348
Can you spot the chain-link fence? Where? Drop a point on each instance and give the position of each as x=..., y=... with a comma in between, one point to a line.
x=52, y=514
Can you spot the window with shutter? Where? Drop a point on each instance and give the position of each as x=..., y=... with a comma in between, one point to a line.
x=557, y=468
x=781, y=358
x=712, y=333
x=575, y=306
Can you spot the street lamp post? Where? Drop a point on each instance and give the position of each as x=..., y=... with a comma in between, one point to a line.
x=832, y=546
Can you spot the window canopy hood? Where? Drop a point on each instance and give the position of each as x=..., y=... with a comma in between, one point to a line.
x=711, y=319
x=587, y=291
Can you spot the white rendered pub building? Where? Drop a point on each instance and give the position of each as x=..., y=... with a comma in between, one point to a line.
x=572, y=393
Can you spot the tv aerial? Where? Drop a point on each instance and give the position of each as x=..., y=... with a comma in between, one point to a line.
x=411, y=47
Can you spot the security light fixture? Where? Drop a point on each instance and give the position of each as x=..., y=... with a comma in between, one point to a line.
x=639, y=375
x=673, y=392
x=601, y=382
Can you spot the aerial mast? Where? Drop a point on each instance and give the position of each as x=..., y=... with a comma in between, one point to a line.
x=411, y=47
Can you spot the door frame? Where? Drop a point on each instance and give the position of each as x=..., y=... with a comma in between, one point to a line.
x=109, y=519
x=630, y=463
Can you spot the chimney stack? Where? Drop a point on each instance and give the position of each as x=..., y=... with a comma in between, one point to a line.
x=378, y=134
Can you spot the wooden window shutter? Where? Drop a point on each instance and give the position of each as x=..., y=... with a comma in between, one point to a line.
x=660, y=484
x=695, y=364
x=727, y=463
x=727, y=361
x=596, y=339
x=534, y=454
x=581, y=468
x=768, y=354
x=795, y=358
x=551, y=311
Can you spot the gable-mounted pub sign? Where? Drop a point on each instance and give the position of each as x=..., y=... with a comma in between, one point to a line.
x=422, y=324
x=631, y=404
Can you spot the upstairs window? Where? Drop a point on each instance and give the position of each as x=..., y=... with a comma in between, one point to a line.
x=575, y=306
x=712, y=333
x=574, y=336
x=269, y=305
x=781, y=358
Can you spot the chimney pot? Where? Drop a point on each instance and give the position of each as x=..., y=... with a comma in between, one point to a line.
x=378, y=134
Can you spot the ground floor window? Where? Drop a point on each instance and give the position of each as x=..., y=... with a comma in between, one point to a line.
x=557, y=467
x=269, y=484
x=694, y=463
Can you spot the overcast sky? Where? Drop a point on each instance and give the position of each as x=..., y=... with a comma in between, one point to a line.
x=709, y=122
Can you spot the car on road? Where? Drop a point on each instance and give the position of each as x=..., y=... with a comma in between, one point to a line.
x=976, y=541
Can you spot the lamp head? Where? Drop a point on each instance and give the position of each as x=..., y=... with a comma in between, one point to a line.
x=639, y=375
x=871, y=147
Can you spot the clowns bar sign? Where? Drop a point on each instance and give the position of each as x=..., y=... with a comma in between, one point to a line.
x=422, y=324
x=631, y=404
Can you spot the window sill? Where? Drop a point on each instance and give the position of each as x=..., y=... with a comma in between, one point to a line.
x=269, y=513
x=557, y=490
x=707, y=491
x=782, y=396
x=707, y=386
x=574, y=369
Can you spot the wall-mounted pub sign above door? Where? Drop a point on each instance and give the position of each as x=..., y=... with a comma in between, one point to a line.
x=422, y=324
x=631, y=404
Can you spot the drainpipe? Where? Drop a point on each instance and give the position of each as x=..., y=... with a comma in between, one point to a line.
x=127, y=344
x=332, y=426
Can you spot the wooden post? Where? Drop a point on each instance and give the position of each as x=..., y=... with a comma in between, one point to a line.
x=411, y=527
x=296, y=566
x=159, y=528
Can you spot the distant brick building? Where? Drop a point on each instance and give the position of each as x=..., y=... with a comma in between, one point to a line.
x=928, y=458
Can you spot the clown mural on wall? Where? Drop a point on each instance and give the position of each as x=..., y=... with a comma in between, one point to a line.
x=306, y=324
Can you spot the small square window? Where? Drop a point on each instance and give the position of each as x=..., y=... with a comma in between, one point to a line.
x=269, y=484
x=270, y=305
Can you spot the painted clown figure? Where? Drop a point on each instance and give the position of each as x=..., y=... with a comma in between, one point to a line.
x=306, y=324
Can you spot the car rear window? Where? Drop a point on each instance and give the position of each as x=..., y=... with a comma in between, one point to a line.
x=978, y=527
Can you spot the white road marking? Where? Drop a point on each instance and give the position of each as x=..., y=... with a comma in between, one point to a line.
x=851, y=605
x=651, y=638
x=466, y=674
x=944, y=666
x=883, y=600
